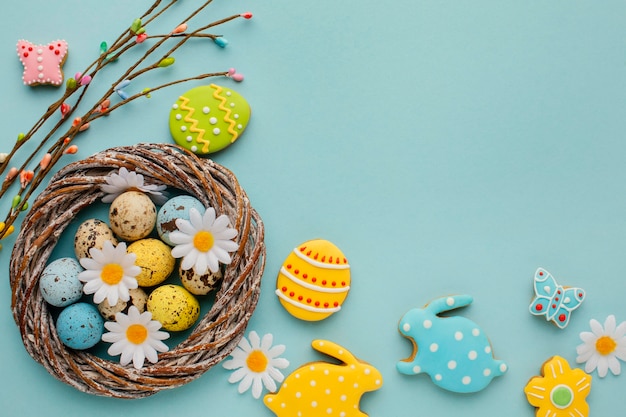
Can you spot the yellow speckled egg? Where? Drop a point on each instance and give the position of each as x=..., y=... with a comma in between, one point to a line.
x=155, y=260
x=314, y=280
x=138, y=298
x=199, y=284
x=132, y=215
x=174, y=307
x=92, y=233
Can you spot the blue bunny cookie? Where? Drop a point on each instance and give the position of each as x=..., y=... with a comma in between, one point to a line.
x=454, y=351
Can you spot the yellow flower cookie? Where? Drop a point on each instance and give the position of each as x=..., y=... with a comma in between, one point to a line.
x=560, y=391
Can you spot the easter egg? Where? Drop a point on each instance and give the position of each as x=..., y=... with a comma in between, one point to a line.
x=173, y=209
x=199, y=284
x=92, y=233
x=208, y=118
x=174, y=307
x=138, y=298
x=132, y=215
x=314, y=280
x=80, y=326
x=155, y=260
x=59, y=283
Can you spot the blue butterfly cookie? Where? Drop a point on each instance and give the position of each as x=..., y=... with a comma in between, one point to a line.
x=553, y=301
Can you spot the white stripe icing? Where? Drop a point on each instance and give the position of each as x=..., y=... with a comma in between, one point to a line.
x=319, y=264
x=304, y=284
x=306, y=307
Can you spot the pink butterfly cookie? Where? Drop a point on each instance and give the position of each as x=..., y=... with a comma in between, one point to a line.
x=42, y=63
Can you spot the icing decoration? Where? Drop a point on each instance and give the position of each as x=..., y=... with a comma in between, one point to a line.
x=314, y=280
x=603, y=347
x=454, y=351
x=554, y=301
x=321, y=388
x=560, y=390
x=42, y=63
x=208, y=118
x=256, y=363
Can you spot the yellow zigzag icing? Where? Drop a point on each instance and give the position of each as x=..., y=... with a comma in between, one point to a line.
x=227, y=119
x=194, y=123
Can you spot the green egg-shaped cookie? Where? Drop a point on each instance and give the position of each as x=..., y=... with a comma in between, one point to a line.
x=208, y=118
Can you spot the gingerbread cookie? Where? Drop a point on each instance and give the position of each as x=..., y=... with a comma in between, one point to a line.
x=326, y=389
x=454, y=351
x=314, y=280
x=42, y=63
x=553, y=301
x=209, y=118
x=560, y=390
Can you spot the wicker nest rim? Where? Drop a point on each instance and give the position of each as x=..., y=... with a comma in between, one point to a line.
x=214, y=336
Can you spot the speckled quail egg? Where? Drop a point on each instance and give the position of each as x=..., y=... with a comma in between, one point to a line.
x=174, y=307
x=155, y=260
x=92, y=233
x=138, y=298
x=173, y=209
x=132, y=215
x=199, y=284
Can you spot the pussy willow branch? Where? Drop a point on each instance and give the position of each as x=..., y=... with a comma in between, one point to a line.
x=121, y=45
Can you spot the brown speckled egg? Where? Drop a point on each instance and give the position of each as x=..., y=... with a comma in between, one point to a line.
x=132, y=215
x=155, y=260
x=174, y=307
x=199, y=284
x=138, y=298
x=92, y=233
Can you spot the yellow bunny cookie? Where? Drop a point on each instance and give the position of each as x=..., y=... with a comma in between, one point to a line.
x=322, y=388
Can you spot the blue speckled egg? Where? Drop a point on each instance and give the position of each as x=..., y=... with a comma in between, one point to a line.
x=59, y=284
x=175, y=208
x=80, y=326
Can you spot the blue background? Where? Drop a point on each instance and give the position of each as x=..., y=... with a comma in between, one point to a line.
x=445, y=146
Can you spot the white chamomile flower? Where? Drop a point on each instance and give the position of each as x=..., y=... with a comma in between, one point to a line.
x=603, y=347
x=109, y=273
x=203, y=241
x=136, y=337
x=126, y=180
x=256, y=363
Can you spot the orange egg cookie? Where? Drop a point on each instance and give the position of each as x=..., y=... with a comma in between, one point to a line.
x=314, y=280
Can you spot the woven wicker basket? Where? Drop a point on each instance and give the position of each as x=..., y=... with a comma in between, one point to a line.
x=216, y=334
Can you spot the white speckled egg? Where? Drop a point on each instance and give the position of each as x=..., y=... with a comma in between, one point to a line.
x=80, y=326
x=132, y=215
x=199, y=284
x=155, y=260
x=92, y=233
x=59, y=283
x=138, y=298
x=174, y=307
x=175, y=208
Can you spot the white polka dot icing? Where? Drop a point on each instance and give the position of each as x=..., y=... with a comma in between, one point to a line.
x=458, y=356
x=337, y=389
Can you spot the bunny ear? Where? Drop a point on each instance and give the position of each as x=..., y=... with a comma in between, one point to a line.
x=449, y=303
x=334, y=350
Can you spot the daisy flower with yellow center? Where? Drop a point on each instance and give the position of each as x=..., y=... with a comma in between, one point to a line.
x=256, y=363
x=560, y=391
x=603, y=347
x=136, y=337
x=203, y=241
x=124, y=180
x=109, y=273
